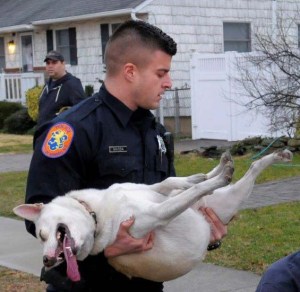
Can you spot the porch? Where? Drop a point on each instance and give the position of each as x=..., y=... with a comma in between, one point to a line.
x=13, y=86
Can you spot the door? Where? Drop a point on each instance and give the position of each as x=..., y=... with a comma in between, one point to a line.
x=27, y=53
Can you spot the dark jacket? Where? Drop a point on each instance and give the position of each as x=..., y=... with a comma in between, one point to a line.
x=282, y=276
x=56, y=95
x=95, y=144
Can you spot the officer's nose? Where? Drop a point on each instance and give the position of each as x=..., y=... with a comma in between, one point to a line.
x=167, y=82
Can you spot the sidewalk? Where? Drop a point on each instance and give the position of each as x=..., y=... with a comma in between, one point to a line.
x=21, y=251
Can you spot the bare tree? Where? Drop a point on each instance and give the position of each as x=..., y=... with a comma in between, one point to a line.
x=269, y=79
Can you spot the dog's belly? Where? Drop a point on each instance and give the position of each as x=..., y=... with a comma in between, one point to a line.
x=178, y=248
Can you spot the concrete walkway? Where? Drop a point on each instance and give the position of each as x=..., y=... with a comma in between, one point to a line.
x=21, y=251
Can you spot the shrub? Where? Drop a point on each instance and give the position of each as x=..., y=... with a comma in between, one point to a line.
x=6, y=109
x=32, y=101
x=18, y=123
x=89, y=90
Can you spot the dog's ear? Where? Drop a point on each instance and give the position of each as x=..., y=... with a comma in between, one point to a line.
x=28, y=211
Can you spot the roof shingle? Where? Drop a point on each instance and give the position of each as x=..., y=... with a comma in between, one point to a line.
x=24, y=12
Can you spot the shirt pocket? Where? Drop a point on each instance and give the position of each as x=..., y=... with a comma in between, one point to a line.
x=118, y=165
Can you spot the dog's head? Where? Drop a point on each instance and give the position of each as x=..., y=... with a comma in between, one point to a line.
x=66, y=233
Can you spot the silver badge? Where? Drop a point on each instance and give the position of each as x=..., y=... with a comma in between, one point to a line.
x=161, y=145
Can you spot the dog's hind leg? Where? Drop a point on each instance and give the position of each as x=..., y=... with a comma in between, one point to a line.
x=161, y=213
x=175, y=185
x=227, y=200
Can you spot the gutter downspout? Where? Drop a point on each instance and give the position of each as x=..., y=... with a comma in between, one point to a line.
x=138, y=8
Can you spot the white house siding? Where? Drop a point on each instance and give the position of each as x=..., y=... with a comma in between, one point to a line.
x=89, y=52
x=197, y=25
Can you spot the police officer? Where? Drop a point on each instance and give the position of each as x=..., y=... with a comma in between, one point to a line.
x=108, y=138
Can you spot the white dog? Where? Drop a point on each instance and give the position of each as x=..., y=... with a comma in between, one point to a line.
x=86, y=221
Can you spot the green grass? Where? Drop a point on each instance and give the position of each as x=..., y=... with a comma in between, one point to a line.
x=21, y=148
x=256, y=238
x=12, y=192
x=10, y=143
x=191, y=163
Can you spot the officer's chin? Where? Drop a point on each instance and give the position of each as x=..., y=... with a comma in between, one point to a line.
x=154, y=106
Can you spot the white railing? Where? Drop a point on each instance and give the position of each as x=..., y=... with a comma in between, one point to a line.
x=13, y=86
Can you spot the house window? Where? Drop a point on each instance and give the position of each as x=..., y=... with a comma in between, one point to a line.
x=65, y=43
x=2, y=55
x=237, y=37
x=106, y=32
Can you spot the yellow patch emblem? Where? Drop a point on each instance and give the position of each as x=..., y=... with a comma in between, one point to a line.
x=58, y=140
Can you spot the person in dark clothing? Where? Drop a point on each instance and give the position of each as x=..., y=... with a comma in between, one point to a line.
x=282, y=276
x=62, y=90
x=111, y=137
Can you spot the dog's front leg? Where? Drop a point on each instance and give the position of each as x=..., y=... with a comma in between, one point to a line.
x=225, y=158
x=174, y=185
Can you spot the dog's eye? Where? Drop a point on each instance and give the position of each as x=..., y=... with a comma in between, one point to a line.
x=42, y=236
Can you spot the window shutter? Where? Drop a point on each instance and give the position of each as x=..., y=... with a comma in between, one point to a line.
x=73, y=47
x=49, y=40
x=104, y=38
x=2, y=54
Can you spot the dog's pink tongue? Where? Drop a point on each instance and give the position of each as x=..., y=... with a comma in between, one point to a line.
x=72, y=267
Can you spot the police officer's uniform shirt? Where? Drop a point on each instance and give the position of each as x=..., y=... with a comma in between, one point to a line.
x=93, y=145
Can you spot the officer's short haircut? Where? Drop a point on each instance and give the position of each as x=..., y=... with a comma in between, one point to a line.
x=133, y=34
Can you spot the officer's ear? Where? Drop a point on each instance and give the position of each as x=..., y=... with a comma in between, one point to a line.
x=129, y=71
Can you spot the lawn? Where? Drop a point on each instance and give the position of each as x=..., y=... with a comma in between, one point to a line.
x=256, y=237
x=10, y=143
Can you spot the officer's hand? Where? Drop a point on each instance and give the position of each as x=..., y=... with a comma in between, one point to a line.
x=60, y=282
x=218, y=228
x=126, y=244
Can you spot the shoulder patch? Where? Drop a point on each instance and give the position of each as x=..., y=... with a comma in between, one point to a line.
x=58, y=140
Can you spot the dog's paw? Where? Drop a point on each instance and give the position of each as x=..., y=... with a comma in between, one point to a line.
x=285, y=155
x=228, y=171
x=226, y=157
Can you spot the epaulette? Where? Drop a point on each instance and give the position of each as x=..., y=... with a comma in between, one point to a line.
x=82, y=109
x=81, y=112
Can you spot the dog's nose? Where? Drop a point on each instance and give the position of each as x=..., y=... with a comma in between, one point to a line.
x=49, y=261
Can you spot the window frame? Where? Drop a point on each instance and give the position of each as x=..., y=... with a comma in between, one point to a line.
x=106, y=30
x=52, y=44
x=244, y=40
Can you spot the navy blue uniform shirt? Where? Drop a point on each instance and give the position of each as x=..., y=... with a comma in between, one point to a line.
x=96, y=143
